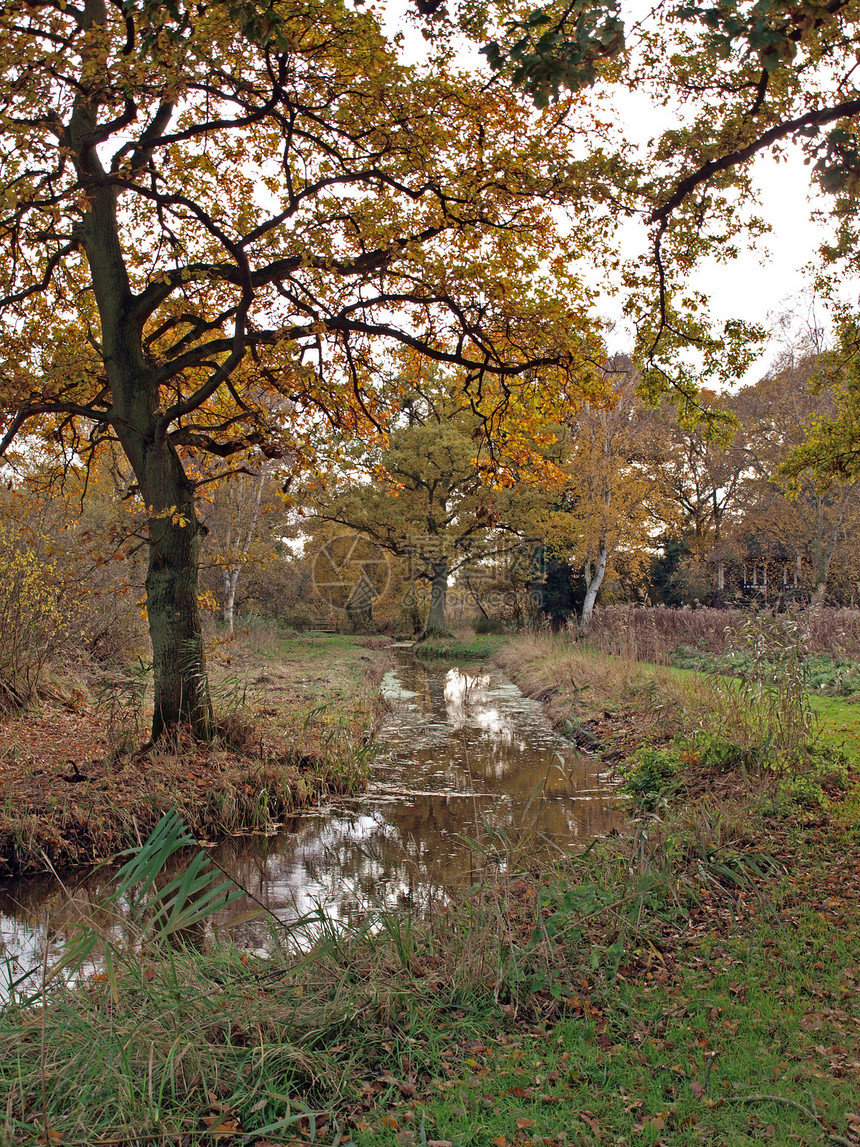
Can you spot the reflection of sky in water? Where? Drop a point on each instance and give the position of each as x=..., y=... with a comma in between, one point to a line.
x=462, y=754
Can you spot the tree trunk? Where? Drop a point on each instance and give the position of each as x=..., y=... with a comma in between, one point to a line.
x=179, y=666
x=238, y=502
x=593, y=582
x=181, y=686
x=359, y=606
x=231, y=579
x=435, y=625
x=823, y=546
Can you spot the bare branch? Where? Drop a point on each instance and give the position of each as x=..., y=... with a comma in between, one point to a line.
x=741, y=155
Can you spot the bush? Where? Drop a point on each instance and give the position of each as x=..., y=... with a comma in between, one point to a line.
x=722, y=755
x=494, y=625
x=32, y=620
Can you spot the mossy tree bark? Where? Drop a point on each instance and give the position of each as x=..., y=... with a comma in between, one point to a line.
x=435, y=626
x=181, y=685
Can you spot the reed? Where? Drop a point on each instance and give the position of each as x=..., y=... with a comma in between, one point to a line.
x=654, y=634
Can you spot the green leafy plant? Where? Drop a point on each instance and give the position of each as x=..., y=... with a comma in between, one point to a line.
x=717, y=753
x=805, y=791
x=652, y=777
x=156, y=910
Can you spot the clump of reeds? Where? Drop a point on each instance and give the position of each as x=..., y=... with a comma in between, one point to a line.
x=655, y=633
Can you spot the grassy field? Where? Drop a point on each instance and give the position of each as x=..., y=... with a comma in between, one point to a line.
x=694, y=981
x=293, y=716
x=583, y=1004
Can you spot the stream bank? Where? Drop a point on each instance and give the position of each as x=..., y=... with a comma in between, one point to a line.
x=655, y=989
x=465, y=774
x=294, y=714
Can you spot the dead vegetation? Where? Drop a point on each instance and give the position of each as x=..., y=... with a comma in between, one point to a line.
x=78, y=784
x=654, y=634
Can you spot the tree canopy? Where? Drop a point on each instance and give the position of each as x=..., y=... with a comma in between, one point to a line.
x=215, y=218
x=737, y=78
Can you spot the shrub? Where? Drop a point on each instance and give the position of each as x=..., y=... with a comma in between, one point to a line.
x=32, y=620
x=494, y=625
x=720, y=754
x=775, y=687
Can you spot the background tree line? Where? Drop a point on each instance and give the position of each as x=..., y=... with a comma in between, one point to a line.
x=422, y=528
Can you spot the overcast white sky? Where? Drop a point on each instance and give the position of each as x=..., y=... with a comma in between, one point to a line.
x=761, y=284
x=773, y=277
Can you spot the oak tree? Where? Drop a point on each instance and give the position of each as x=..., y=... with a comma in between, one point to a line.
x=737, y=78
x=428, y=494
x=215, y=216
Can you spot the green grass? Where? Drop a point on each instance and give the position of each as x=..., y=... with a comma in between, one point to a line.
x=476, y=648
x=513, y=1015
x=636, y=1071
x=840, y=723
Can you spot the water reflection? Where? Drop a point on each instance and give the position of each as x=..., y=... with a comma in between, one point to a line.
x=464, y=757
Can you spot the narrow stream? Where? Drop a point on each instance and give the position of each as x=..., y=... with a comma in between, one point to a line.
x=467, y=768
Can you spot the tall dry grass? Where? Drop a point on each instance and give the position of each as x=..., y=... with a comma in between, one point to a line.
x=654, y=633
x=575, y=681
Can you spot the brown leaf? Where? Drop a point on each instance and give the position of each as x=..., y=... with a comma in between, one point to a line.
x=589, y=1119
x=523, y=1122
x=49, y=1138
x=222, y=1124
x=658, y=1121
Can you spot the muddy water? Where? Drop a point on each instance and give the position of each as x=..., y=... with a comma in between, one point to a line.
x=467, y=769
